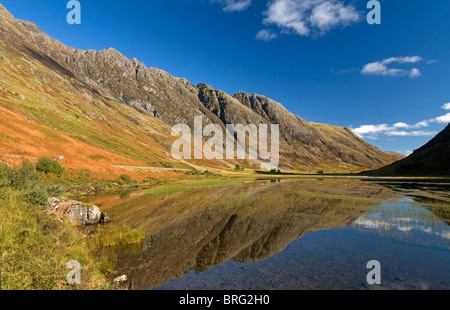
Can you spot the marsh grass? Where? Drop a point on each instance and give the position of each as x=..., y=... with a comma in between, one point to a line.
x=187, y=185
x=114, y=236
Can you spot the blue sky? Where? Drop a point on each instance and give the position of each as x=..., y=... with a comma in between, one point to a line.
x=319, y=58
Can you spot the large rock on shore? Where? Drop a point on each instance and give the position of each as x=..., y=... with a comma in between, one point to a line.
x=77, y=212
x=84, y=215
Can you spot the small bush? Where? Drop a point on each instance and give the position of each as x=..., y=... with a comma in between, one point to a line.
x=198, y=172
x=125, y=178
x=320, y=172
x=36, y=196
x=49, y=165
x=237, y=168
x=6, y=173
x=25, y=177
x=165, y=164
x=30, y=185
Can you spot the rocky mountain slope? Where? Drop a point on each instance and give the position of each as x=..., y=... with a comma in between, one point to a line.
x=430, y=159
x=123, y=108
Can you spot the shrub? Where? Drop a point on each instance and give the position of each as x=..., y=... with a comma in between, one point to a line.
x=49, y=165
x=165, y=164
x=125, y=178
x=25, y=177
x=198, y=172
x=6, y=173
x=30, y=185
x=36, y=196
x=237, y=168
x=194, y=172
x=320, y=172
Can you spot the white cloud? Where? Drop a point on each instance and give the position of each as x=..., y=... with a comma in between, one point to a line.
x=402, y=129
x=307, y=17
x=382, y=67
x=407, y=126
x=444, y=119
x=402, y=60
x=371, y=129
x=422, y=124
x=446, y=106
x=414, y=73
x=432, y=61
x=418, y=133
x=401, y=125
x=266, y=35
x=234, y=5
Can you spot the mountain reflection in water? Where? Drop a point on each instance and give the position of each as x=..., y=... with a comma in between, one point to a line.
x=193, y=227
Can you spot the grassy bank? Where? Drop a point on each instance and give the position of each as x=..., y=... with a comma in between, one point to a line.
x=35, y=247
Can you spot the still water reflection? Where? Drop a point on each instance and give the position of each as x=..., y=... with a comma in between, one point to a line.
x=301, y=234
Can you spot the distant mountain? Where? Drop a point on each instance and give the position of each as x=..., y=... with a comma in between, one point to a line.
x=431, y=159
x=122, y=111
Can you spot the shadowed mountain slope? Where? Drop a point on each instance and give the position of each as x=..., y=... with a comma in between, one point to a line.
x=430, y=159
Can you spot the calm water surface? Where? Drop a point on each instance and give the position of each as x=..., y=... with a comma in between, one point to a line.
x=300, y=234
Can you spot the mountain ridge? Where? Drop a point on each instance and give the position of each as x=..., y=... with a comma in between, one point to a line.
x=113, y=84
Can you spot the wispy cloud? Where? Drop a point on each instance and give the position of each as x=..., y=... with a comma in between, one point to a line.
x=383, y=68
x=233, y=5
x=266, y=35
x=309, y=17
x=372, y=131
x=432, y=61
x=402, y=129
x=415, y=126
x=444, y=119
x=417, y=133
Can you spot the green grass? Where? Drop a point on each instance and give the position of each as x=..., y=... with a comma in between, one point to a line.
x=114, y=236
x=195, y=184
x=35, y=249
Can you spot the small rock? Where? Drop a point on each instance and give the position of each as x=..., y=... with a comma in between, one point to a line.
x=121, y=279
x=52, y=203
x=105, y=218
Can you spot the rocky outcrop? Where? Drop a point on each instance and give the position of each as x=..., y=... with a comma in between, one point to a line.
x=76, y=212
